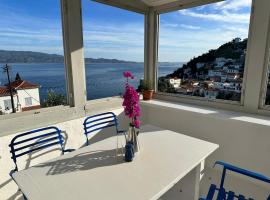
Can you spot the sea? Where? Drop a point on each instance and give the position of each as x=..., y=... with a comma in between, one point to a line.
x=102, y=79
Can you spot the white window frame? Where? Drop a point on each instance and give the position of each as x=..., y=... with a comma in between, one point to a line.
x=28, y=101
x=75, y=68
x=266, y=74
x=210, y=101
x=75, y=79
x=250, y=95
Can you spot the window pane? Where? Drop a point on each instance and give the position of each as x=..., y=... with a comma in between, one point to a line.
x=32, y=46
x=28, y=101
x=267, y=96
x=7, y=104
x=202, y=50
x=114, y=43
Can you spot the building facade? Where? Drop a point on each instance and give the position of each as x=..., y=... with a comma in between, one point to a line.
x=25, y=96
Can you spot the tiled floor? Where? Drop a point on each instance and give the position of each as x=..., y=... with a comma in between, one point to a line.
x=238, y=184
x=235, y=183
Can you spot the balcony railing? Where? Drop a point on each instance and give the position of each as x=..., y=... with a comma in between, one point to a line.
x=236, y=134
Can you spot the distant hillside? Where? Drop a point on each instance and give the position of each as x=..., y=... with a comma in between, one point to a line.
x=233, y=50
x=37, y=57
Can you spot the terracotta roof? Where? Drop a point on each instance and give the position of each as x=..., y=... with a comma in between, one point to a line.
x=4, y=91
x=21, y=84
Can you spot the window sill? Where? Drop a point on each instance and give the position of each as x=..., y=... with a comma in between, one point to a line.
x=103, y=105
x=31, y=112
x=209, y=112
x=219, y=104
x=198, y=100
x=23, y=121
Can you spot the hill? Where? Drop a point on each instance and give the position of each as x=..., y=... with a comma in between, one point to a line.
x=37, y=57
x=230, y=50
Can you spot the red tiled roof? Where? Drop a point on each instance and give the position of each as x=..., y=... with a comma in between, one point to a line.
x=20, y=84
x=4, y=91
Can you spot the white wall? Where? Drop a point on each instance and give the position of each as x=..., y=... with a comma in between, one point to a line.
x=33, y=93
x=19, y=98
x=2, y=105
x=244, y=139
x=72, y=130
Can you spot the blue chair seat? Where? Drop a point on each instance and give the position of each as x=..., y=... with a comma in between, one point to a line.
x=220, y=191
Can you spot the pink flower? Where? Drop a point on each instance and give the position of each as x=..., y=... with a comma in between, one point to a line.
x=137, y=123
x=131, y=102
x=128, y=74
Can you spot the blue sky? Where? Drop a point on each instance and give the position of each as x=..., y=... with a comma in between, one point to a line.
x=114, y=33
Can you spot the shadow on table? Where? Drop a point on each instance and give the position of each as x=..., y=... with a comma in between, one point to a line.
x=84, y=161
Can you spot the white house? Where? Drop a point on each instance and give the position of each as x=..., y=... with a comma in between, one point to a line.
x=234, y=87
x=232, y=70
x=25, y=95
x=212, y=73
x=218, y=85
x=175, y=82
x=220, y=62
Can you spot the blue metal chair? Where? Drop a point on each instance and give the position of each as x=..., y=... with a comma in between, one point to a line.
x=100, y=122
x=35, y=140
x=222, y=194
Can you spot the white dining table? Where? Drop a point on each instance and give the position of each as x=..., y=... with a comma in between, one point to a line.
x=166, y=158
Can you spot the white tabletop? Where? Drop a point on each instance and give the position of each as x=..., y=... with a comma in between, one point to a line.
x=93, y=172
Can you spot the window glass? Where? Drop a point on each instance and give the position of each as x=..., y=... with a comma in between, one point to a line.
x=202, y=50
x=28, y=101
x=267, y=95
x=31, y=55
x=113, y=43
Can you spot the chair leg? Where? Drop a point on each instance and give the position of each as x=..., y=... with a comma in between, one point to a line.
x=221, y=194
x=211, y=192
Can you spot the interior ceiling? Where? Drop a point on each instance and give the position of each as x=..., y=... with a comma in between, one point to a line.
x=162, y=6
x=157, y=2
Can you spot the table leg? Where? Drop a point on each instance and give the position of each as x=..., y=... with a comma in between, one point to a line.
x=187, y=188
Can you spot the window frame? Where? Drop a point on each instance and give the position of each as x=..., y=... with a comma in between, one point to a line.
x=75, y=82
x=219, y=101
x=266, y=74
x=28, y=101
x=47, y=116
x=9, y=104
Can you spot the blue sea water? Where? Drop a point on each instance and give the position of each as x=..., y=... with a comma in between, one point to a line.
x=103, y=79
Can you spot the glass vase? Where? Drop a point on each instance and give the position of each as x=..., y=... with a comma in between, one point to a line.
x=133, y=137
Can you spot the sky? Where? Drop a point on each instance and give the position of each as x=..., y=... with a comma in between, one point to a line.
x=110, y=32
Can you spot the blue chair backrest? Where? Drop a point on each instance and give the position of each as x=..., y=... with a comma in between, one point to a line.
x=99, y=122
x=35, y=140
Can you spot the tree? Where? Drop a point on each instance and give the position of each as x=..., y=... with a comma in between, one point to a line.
x=54, y=99
x=18, y=77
